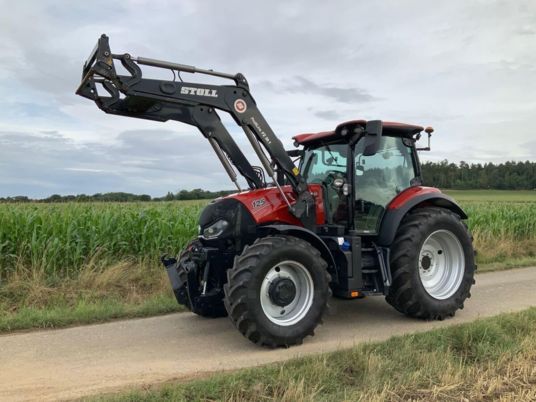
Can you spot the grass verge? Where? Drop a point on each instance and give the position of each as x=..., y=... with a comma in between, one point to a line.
x=31, y=299
x=489, y=359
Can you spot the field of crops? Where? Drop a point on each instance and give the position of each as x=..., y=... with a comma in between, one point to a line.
x=61, y=238
x=75, y=263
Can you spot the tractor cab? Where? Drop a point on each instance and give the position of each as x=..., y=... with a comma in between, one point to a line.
x=360, y=174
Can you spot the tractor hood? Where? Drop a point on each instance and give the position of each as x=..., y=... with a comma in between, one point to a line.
x=268, y=206
x=238, y=215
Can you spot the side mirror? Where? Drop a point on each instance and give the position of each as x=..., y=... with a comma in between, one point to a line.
x=359, y=170
x=373, y=137
x=429, y=131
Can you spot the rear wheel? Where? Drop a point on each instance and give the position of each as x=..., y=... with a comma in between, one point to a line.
x=432, y=264
x=277, y=291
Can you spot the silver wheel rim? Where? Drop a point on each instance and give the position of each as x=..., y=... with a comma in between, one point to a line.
x=303, y=300
x=441, y=264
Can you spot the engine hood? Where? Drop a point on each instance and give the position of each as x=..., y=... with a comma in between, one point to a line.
x=267, y=205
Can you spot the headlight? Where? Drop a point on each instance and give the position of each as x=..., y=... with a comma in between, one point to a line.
x=216, y=229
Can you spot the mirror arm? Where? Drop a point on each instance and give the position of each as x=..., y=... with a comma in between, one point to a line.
x=428, y=147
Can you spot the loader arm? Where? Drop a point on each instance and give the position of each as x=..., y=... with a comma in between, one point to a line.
x=207, y=121
x=195, y=104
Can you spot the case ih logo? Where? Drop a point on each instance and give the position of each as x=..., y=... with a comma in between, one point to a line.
x=212, y=93
x=240, y=106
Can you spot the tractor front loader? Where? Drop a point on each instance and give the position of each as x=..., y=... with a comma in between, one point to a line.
x=352, y=219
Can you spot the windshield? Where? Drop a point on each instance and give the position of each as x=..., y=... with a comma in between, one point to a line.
x=317, y=164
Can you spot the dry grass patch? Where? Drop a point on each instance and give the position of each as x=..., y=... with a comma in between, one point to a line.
x=30, y=298
x=498, y=253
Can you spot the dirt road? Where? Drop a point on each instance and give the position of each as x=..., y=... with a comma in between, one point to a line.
x=73, y=362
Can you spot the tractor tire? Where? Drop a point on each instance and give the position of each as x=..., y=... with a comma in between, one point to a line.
x=215, y=308
x=277, y=291
x=432, y=264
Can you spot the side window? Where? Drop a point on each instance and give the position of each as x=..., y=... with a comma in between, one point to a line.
x=319, y=163
x=324, y=165
x=379, y=178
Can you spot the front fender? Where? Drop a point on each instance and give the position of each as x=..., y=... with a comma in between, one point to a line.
x=406, y=201
x=305, y=234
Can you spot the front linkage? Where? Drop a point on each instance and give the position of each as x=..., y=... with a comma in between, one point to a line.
x=192, y=283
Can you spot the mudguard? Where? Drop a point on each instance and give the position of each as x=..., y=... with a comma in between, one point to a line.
x=413, y=197
x=304, y=234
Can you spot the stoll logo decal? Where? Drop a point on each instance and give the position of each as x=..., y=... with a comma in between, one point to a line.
x=213, y=93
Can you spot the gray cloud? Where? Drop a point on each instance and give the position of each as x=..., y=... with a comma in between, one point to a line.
x=328, y=114
x=338, y=93
x=302, y=85
x=469, y=71
x=527, y=31
x=151, y=162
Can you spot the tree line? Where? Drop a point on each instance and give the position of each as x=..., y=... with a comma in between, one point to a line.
x=503, y=176
x=195, y=194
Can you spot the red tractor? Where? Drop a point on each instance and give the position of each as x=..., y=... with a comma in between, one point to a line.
x=352, y=219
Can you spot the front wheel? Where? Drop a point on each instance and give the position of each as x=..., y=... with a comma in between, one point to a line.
x=432, y=264
x=277, y=291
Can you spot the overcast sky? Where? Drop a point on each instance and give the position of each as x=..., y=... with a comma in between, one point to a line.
x=468, y=68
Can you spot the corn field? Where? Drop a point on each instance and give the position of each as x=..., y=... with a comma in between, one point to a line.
x=61, y=238
x=503, y=220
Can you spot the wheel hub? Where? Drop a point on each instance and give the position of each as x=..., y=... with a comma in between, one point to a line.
x=282, y=291
x=426, y=262
x=441, y=264
x=287, y=293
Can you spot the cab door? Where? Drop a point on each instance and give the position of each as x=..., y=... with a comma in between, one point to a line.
x=328, y=165
x=379, y=178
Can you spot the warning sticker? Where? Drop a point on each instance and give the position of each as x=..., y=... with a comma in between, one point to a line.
x=296, y=171
x=240, y=105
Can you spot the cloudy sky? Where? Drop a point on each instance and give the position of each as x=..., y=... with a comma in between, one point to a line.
x=468, y=68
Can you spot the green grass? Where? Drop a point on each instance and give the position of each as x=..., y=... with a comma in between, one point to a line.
x=493, y=195
x=67, y=255
x=85, y=311
x=504, y=231
x=484, y=360
x=98, y=293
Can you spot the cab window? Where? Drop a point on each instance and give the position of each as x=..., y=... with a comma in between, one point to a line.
x=379, y=178
x=324, y=165
x=318, y=164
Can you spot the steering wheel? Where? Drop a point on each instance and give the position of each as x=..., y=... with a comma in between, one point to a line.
x=331, y=176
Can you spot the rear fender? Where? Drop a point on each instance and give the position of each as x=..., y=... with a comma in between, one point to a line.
x=304, y=234
x=404, y=203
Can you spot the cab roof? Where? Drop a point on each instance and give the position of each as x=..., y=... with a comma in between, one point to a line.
x=389, y=128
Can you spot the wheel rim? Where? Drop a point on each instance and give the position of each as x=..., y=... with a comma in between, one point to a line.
x=441, y=264
x=302, y=301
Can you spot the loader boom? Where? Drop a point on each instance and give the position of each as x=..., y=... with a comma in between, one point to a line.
x=195, y=104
